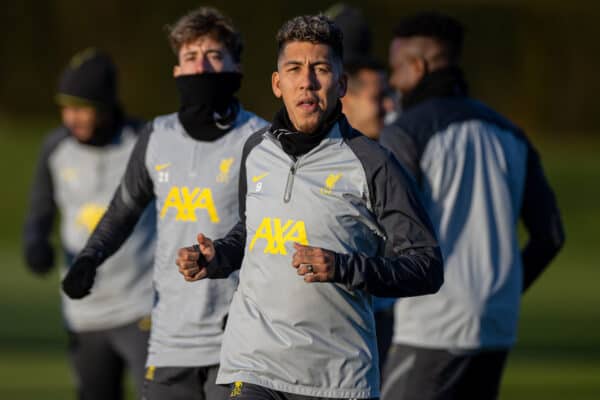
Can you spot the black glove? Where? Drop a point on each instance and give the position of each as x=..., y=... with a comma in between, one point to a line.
x=39, y=257
x=80, y=278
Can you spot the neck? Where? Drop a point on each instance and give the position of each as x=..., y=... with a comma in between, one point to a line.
x=445, y=82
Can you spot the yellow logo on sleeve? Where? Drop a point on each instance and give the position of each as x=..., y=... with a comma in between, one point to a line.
x=224, y=169
x=330, y=183
x=277, y=235
x=89, y=215
x=187, y=201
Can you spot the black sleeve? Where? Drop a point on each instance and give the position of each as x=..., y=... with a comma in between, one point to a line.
x=411, y=264
x=403, y=147
x=39, y=220
x=541, y=217
x=127, y=205
x=229, y=251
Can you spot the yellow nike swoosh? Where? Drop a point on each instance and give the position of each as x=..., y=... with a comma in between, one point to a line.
x=160, y=167
x=259, y=177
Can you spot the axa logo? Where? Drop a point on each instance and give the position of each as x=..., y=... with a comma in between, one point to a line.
x=330, y=183
x=187, y=201
x=224, y=169
x=275, y=233
x=89, y=215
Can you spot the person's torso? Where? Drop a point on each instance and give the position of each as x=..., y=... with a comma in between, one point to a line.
x=473, y=168
x=196, y=188
x=84, y=181
x=313, y=339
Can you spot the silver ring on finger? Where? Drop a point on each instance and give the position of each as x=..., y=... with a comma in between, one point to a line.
x=310, y=269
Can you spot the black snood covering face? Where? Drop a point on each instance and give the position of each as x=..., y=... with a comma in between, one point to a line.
x=208, y=108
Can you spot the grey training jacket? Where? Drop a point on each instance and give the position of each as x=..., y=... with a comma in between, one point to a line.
x=346, y=195
x=195, y=187
x=79, y=181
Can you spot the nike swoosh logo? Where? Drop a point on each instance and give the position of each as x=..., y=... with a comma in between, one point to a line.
x=160, y=167
x=259, y=177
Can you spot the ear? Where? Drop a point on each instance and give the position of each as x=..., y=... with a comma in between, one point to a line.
x=343, y=85
x=176, y=71
x=419, y=68
x=275, y=84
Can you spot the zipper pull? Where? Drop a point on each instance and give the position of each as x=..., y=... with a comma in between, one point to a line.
x=289, y=184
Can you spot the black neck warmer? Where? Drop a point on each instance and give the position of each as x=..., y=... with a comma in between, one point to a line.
x=446, y=82
x=296, y=143
x=208, y=108
x=108, y=128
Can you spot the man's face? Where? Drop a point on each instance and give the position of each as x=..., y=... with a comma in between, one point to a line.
x=204, y=54
x=80, y=120
x=363, y=104
x=407, y=69
x=310, y=82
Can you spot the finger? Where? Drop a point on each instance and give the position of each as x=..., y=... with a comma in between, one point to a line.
x=312, y=278
x=187, y=265
x=309, y=259
x=197, y=276
x=304, y=269
x=188, y=271
x=193, y=256
x=203, y=240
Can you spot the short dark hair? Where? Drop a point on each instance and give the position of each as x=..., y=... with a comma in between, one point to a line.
x=202, y=21
x=443, y=28
x=314, y=29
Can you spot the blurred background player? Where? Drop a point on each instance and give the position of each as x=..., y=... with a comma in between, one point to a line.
x=189, y=163
x=364, y=106
x=364, y=101
x=80, y=166
x=479, y=175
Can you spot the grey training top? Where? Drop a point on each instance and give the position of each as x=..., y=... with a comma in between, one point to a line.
x=79, y=180
x=478, y=175
x=346, y=195
x=195, y=187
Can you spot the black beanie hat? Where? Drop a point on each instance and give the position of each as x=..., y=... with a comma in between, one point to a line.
x=89, y=79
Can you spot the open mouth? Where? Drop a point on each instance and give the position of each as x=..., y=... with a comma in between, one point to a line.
x=308, y=104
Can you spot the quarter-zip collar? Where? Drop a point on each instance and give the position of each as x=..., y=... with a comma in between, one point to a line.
x=296, y=143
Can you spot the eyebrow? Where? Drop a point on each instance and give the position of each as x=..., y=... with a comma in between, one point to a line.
x=209, y=51
x=296, y=62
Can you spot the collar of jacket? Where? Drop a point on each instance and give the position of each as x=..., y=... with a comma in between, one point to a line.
x=446, y=82
x=295, y=143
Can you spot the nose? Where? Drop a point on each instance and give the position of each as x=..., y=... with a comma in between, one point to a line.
x=203, y=65
x=308, y=79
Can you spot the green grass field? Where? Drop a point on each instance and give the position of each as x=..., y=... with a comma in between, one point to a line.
x=557, y=357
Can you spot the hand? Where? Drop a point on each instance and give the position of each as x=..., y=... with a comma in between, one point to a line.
x=192, y=260
x=79, y=279
x=314, y=263
x=39, y=257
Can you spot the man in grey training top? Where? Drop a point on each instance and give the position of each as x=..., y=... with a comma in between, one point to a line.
x=478, y=174
x=78, y=171
x=189, y=163
x=327, y=220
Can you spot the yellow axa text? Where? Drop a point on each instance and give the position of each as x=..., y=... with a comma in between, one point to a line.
x=186, y=201
x=89, y=215
x=276, y=234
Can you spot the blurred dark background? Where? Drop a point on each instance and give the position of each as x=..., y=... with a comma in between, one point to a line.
x=535, y=60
